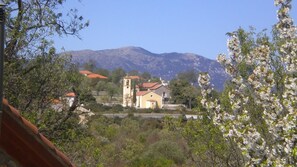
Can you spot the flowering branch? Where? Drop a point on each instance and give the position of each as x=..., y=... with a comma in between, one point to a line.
x=279, y=113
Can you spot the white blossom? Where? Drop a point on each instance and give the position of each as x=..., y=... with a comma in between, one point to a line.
x=279, y=112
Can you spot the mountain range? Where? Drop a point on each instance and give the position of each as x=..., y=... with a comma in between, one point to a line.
x=164, y=65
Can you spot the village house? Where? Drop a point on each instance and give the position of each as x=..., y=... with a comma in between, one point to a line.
x=92, y=75
x=157, y=88
x=68, y=100
x=148, y=95
x=148, y=99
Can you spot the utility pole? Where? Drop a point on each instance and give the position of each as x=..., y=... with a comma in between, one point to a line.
x=2, y=31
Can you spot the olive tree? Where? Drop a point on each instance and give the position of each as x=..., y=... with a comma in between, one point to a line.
x=30, y=24
x=34, y=74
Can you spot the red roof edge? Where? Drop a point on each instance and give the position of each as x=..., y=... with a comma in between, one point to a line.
x=20, y=139
x=94, y=75
x=85, y=72
x=141, y=93
x=70, y=94
x=133, y=77
x=156, y=87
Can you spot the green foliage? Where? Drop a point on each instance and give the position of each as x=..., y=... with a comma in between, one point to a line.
x=34, y=74
x=135, y=142
x=103, y=72
x=162, y=153
x=168, y=150
x=152, y=162
x=208, y=147
x=146, y=76
x=248, y=41
x=131, y=149
x=171, y=123
x=134, y=92
x=100, y=86
x=42, y=79
x=224, y=97
x=176, y=86
x=182, y=92
x=112, y=89
x=117, y=75
x=190, y=76
x=90, y=66
x=29, y=25
x=133, y=73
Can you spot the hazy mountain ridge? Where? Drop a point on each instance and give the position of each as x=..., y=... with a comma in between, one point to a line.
x=165, y=65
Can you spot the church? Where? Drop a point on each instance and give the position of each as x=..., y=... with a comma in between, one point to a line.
x=147, y=95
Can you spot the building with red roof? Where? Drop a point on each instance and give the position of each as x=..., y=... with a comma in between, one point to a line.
x=85, y=72
x=98, y=76
x=69, y=98
x=23, y=145
x=148, y=99
x=70, y=94
x=133, y=77
x=148, y=85
x=92, y=75
x=142, y=100
x=141, y=93
x=160, y=89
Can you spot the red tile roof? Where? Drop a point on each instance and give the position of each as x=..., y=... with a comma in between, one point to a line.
x=85, y=72
x=93, y=76
x=132, y=77
x=56, y=101
x=149, y=84
x=21, y=140
x=70, y=94
x=141, y=93
x=156, y=87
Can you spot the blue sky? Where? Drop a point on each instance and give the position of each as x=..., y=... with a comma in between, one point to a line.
x=162, y=26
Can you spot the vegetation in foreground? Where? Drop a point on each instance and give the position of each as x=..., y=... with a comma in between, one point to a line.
x=35, y=75
x=138, y=142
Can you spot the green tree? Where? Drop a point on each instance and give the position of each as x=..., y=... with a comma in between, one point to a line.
x=35, y=74
x=112, y=89
x=190, y=94
x=90, y=66
x=117, y=75
x=134, y=93
x=182, y=92
x=30, y=23
x=133, y=73
x=101, y=86
x=146, y=76
x=189, y=76
x=102, y=71
x=176, y=86
x=208, y=146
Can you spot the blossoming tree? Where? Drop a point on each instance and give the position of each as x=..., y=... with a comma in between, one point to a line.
x=279, y=112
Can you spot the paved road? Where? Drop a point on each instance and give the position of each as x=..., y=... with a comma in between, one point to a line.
x=149, y=115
